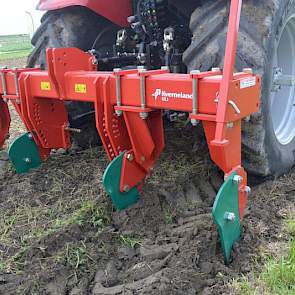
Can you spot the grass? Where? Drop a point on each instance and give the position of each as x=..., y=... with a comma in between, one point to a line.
x=242, y=286
x=169, y=215
x=77, y=257
x=14, y=54
x=130, y=241
x=14, y=43
x=278, y=274
x=90, y=213
x=14, y=46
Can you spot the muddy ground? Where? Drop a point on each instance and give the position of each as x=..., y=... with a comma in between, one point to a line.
x=60, y=235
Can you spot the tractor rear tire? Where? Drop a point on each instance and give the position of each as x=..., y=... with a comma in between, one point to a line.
x=269, y=136
x=74, y=27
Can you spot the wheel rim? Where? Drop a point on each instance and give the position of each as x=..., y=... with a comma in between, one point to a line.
x=282, y=101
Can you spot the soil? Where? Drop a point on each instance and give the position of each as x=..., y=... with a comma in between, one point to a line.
x=59, y=234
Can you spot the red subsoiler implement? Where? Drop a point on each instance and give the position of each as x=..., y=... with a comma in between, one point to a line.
x=128, y=107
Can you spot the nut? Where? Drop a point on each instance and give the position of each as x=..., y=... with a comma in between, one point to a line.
x=247, y=190
x=141, y=69
x=248, y=71
x=119, y=113
x=195, y=72
x=194, y=122
x=230, y=125
x=126, y=188
x=165, y=68
x=215, y=69
x=116, y=70
x=143, y=115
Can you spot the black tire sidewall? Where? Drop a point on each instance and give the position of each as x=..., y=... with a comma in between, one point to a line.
x=78, y=27
x=280, y=157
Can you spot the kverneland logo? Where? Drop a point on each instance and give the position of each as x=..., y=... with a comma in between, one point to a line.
x=165, y=95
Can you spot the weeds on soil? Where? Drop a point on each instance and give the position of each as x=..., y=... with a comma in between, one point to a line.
x=60, y=207
x=278, y=274
x=130, y=241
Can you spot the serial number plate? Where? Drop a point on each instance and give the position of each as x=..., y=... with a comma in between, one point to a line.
x=249, y=82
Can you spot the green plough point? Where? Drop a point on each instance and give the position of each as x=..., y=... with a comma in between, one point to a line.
x=24, y=154
x=111, y=182
x=226, y=216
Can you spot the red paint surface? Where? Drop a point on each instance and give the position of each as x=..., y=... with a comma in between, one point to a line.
x=116, y=11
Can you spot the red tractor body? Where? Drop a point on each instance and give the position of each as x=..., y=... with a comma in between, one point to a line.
x=116, y=11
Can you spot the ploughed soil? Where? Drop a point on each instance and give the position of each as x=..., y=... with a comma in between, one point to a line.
x=60, y=235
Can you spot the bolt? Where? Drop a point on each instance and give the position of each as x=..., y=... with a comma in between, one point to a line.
x=247, y=190
x=247, y=119
x=126, y=188
x=215, y=69
x=143, y=115
x=229, y=216
x=248, y=71
x=194, y=122
x=130, y=157
x=30, y=136
x=230, y=125
x=119, y=113
x=142, y=158
x=28, y=160
x=74, y=130
x=238, y=179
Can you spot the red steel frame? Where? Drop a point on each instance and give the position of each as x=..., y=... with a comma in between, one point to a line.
x=129, y=104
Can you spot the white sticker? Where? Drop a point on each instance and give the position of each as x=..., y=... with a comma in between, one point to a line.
x=164, y=95
x=249, y=82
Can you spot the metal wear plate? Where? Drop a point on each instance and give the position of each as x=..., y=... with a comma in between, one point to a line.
x=24, y=154
x=226, y=215
x=111, y=182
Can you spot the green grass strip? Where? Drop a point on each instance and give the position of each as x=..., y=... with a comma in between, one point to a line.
x=15, y=54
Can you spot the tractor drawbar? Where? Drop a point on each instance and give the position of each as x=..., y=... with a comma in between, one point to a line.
x=128, y=111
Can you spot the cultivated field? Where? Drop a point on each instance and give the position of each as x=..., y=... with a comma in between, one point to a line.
x=14, y=46
x=60, y=235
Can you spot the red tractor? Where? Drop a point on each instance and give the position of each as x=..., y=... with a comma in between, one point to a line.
x=186, y=35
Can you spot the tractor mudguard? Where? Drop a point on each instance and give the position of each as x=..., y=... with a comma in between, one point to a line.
x=116, y=11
